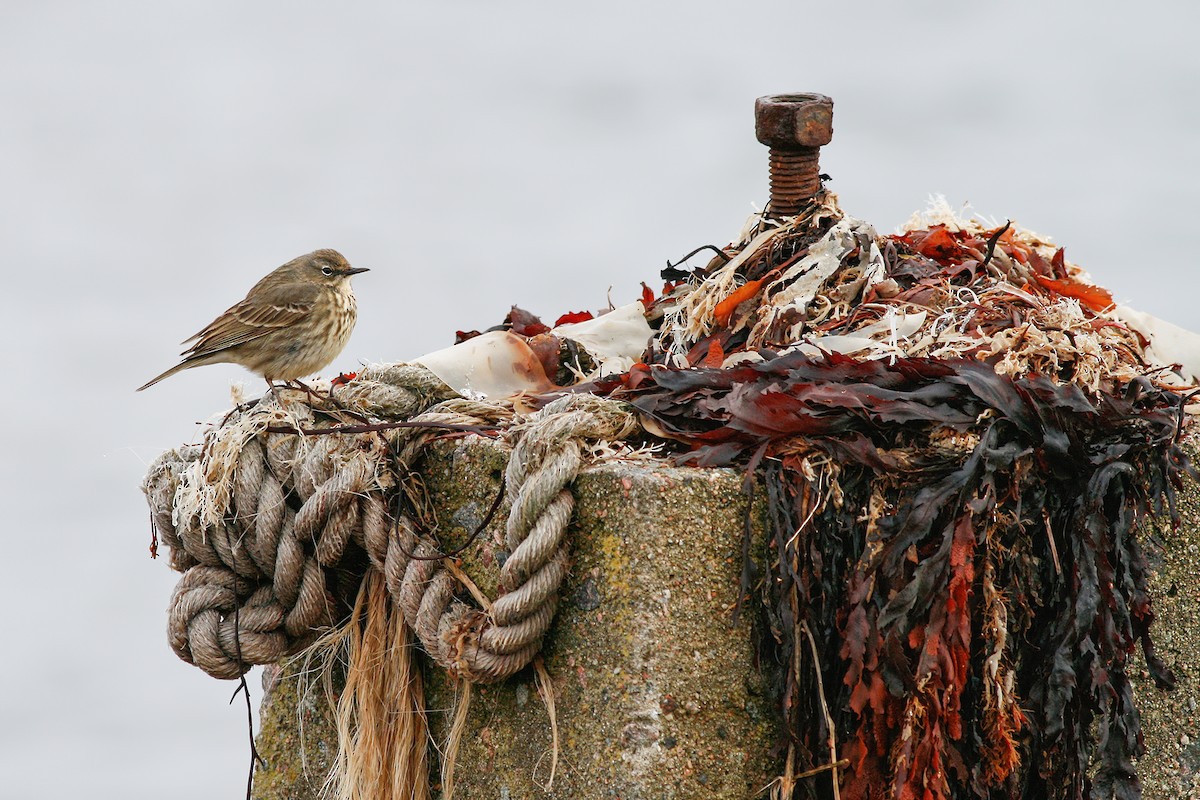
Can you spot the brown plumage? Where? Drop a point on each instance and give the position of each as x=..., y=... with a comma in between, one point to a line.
x=291, y=324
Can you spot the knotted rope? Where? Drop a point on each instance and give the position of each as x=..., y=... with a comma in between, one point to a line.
x=485, y=646
x=273, y=529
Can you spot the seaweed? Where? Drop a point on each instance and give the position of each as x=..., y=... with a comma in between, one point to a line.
x=956, y=440
x=961, y=544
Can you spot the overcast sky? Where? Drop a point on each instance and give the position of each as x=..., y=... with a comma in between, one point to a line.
x=157, y=158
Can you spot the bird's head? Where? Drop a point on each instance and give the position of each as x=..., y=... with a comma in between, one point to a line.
x=324, y=267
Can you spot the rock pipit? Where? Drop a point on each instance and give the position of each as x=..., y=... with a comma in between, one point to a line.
x=293, y=322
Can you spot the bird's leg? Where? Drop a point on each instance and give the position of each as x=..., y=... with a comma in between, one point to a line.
x=275, y=388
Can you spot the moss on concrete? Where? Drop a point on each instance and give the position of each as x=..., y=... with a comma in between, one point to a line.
x=297, y=739
x=656, y=692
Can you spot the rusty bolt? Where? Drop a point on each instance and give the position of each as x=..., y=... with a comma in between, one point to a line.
x=794, y=126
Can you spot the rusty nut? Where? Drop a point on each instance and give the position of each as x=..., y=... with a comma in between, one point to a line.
x=787, y=121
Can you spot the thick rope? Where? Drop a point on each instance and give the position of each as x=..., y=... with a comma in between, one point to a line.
x=265, y=525
x=259, y=522
x=487, y=646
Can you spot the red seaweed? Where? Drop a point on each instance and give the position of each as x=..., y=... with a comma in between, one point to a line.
x=975, y=584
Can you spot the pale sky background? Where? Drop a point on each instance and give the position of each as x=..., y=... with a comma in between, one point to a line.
x=157, y=158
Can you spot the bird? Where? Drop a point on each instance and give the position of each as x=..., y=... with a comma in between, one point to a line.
x=291, y=323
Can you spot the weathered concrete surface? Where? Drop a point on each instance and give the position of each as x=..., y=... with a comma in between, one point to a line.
x=1170, y=721
x=656, y=693
x=297, y=740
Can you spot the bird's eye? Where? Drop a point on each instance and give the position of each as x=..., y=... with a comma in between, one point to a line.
x=326, y=271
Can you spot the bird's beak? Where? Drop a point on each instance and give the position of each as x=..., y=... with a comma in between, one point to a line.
x=354, y=271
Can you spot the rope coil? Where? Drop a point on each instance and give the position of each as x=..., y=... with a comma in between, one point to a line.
x=270, y=529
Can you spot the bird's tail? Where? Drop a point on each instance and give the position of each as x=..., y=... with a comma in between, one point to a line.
x=182, y=365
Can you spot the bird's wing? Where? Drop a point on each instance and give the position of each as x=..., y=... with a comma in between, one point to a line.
x=260, y=313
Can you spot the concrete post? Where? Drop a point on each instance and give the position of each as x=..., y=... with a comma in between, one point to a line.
x=657, y=692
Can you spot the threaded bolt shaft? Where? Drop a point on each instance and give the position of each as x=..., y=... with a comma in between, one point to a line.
x=795, y=179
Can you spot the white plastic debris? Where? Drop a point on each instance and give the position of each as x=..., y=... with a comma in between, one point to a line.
x=500, y=364
x=1170, y=345
x=491, y=366
x=614, y=340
